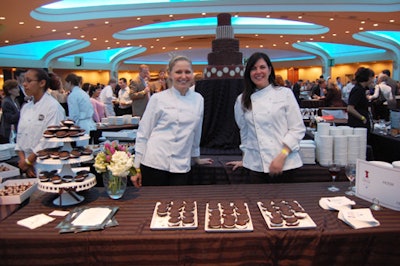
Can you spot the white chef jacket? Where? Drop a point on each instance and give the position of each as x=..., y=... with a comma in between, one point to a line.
x=34, y=120
x=106, y=96
x=170, y=130
x=274, y=120
x=80, y=109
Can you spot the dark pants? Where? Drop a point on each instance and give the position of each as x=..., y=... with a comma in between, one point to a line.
x=155, y=177
x=262, y=178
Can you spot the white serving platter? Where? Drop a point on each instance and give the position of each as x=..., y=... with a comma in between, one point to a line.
x=304, y=223
x=18, y=199
x=161, y=223
x=249, y=227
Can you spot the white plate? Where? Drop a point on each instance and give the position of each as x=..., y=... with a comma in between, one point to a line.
x=249, y=227
x=161, y=223
x=305, y=223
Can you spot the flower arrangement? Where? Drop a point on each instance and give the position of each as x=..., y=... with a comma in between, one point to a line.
x=116, y=163
x=116, y=159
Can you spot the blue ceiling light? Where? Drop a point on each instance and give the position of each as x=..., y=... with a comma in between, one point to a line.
x=102, y=56
x=206, y=26
x=336, y=50
x=390, y=35
x=32, y=51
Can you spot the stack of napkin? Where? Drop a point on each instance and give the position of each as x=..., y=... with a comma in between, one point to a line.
x=336, y=203
x=357, y=218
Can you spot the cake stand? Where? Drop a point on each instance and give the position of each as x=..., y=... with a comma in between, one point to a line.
x=67, y=191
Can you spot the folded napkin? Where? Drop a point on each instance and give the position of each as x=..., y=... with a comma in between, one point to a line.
x=358, y=218
x=36, y=221
x=336, y=203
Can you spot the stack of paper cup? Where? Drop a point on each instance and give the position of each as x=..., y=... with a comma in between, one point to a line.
x=335, y=131
x=353, y=148
x=323, y=128
x=325, y=149
x=362, y=134
x=340, y=149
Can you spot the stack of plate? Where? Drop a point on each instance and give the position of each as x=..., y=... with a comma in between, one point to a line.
x=307, y=151
x=340, y=149
x=335, y=131
x=325, y=149
x=346, y=130
x=362, y=134
x=323, y=128
x=4, y=152
x=353, y=148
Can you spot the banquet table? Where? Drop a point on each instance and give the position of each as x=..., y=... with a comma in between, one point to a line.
x=132, y=242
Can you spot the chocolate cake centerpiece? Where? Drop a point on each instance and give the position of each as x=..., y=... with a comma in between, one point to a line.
x=225, y=60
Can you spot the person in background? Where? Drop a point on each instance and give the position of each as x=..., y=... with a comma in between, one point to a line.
x=107, y=96
x=347, y=89
x=297, y=90
x=333, y=96
x=279, y=80
x=271, y=125
x=339, y=83
x=22, y=97
x=357, y=107
x=140, y=91
x=124, y=102
x=160, y=84
x=392, y=104
x=380, y=110
x=10, y=107
x=36, y=115
x=57, y=91
x=170, y=130
x=79, y=106
x=318, y=92
x=98, y=107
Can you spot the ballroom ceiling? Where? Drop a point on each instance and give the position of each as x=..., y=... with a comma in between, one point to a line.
x=122, y=34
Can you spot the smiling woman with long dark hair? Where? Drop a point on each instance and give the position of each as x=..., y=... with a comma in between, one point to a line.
x=270, y=124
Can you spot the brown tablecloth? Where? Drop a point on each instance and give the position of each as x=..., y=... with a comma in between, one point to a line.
x=332, y=242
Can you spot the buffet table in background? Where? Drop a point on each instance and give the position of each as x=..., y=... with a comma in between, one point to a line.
x=132, y=242
x=385, y=147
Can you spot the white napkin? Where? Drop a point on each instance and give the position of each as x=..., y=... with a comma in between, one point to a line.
x=336, y=203
x=36, y=221
x=358, y=218
x=92, y=217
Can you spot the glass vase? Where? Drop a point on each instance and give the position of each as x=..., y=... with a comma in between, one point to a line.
x=114, y=185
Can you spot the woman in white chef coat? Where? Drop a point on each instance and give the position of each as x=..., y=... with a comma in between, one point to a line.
x=270, y=123
x=80, y=109
x=169, y=131
x=36, y=115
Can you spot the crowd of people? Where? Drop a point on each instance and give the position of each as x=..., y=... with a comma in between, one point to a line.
x=267, y=113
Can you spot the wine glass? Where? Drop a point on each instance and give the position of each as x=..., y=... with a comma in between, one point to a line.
x=334, y=170
x=350, y=171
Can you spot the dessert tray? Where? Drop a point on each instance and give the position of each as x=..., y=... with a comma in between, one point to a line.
x=227, y=217
x=285, y=214
x=174, y=215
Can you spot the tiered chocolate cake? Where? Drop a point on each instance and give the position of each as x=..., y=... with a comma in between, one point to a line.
x=225, y=60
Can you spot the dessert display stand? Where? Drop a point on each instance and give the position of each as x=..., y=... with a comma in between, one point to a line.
x=67, y=191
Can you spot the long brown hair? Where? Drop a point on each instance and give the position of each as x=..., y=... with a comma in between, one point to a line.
x=249, y=86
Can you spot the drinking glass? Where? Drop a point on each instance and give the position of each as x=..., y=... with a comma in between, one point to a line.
x=334, y=170
x=350, y=170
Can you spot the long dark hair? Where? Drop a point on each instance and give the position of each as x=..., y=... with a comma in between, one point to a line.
x=249, y=86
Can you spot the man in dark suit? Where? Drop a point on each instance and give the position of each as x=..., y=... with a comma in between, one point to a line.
x=20, y=77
